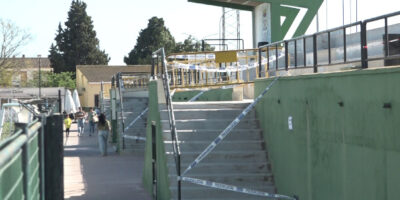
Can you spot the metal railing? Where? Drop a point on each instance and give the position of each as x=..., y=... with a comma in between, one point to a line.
x=158, y=57
x=337, y=46
x=359, y=45
x=129, y=80
x=21, y=158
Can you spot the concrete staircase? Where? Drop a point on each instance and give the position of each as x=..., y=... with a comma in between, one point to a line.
x=133, y=107
x=240, y=159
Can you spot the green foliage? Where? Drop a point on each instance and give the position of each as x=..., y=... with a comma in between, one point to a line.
x=5, y=78
x=77, y=43
x=191, y=45
x=7, y=130
x=155, y=36
x=50, y=79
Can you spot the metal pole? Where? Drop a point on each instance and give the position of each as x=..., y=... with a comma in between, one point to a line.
x=364, y=48
x=317, y=20
x=179, y=175
x=238, y=28
x=25, y=164
x=259, y=62
x=154, y=157
x=315, y=53
x=326, y=14
x=42, y=157
x=223, y=27
x=53, y=157
x=342, y=12
x=40, y=79
x=59, y=102
x=356, y=14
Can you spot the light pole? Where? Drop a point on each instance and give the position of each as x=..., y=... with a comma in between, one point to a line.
x=40, y=78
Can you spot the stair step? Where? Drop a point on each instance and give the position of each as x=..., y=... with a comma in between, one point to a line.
x=193, y=191
x=209, y=134
x=207, y=114
x=199, y=146
x=236, y=179
x=223, y=156
x=218, y=168
x=211, y=104
x=218, y=124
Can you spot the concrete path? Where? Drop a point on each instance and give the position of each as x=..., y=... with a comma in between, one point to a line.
x=89, y=176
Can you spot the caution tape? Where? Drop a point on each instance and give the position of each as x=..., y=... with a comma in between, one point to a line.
x=137, y=118
x=134, y=137
x=197, y=96
x=228, y=129
x=223, y=186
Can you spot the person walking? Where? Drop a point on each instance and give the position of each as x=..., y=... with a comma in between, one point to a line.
x=67, y=123
x=93, y=119
x=80, y=116
x=103, y=127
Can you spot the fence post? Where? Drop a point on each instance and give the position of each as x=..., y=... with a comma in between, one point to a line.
x=154, y=157
x=315, y=55
x=364, y=47
x=54, y=155
x=25, y=159
x=114, y=122
x=286, y=56
x=259, y=62
x=59, y=102
x=42, y=165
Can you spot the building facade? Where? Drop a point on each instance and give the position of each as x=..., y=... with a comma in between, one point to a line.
x=89, y=79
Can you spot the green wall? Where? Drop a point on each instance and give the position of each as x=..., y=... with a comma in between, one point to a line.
x=162, y=170
x=210, y=95
x=344, y=143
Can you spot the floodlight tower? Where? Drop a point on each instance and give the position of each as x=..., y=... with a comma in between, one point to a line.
x=230, y=29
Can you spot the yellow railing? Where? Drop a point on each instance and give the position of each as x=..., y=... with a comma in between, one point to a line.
x=215, y=68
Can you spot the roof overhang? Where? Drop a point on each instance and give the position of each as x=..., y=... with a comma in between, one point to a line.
x=235, y=4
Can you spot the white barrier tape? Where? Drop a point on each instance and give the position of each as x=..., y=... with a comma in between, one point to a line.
x=137, y=118
x=172, y=93
x=232, y=68
x=234, y=188
x=134, y=137
x=197, y=96
x=228, y=129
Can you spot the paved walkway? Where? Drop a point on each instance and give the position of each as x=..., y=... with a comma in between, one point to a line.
x=89, y=176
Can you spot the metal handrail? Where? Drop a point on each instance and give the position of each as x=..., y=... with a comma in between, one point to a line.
x=121, y=105
x=363, y=46
x=174, y=137
x=339, y=47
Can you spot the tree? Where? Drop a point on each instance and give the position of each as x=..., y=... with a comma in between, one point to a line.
x=77, y=43
x=155, y=36
x=12, y=38
x=192, y=45
x=50, y=79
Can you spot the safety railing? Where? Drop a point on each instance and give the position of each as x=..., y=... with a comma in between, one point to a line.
x=129, y=80
x=373, y=42
x=359, y=42
x=159, y=69
x=212, y=68
x=22, y=163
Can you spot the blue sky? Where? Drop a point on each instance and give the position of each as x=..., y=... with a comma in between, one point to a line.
x=119, y=22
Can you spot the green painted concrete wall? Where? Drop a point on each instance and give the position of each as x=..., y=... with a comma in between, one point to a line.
x=210, y=95
x=162, y=170
x=344, y=143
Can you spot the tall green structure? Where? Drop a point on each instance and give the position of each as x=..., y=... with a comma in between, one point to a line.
x=272, y=19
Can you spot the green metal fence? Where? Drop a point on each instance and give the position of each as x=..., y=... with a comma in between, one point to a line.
x=21, y=163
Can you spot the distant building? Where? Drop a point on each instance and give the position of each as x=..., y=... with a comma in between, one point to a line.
x=23, y=70
x=89, y=78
